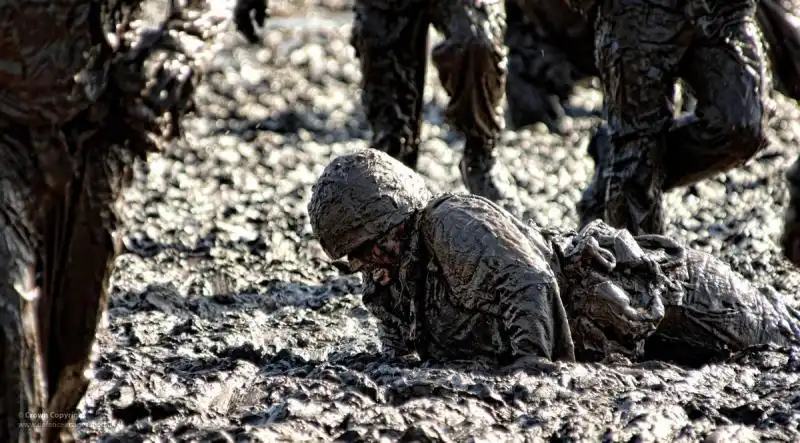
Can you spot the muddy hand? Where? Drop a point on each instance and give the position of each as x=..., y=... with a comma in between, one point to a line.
x=245, y=13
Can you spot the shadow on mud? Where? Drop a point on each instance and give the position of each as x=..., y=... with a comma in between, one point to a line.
x=208, y=298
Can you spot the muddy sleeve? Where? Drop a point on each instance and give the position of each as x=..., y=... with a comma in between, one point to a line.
x=492, y=268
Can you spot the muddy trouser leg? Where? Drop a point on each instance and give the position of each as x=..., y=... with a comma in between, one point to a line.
x=391, y=45
x=774, y=19
x=543, y=68
x=591, y=206
x=637, y=54
x=77, y=260
x=732, y=105
x=21, y=380
x=472, y=68
x=725, y=131
x=592, y=203
x=777, y=21
x=528, y=98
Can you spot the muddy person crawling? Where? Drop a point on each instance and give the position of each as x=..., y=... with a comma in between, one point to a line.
x=456, y=277
x=390, y=38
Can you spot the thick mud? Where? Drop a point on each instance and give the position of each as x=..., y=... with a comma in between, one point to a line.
x=227, y=323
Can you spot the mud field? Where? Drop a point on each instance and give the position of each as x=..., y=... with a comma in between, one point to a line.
x=227, y=323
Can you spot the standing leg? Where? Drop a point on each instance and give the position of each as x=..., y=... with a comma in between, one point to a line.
x=550, y=49
x=638, y=48
x=390, y=39
x=472, y=68
x=728, y=73
x=778, y=22
x=22, y=382
x=592, y=203
x=77, y=260
x=591, y=206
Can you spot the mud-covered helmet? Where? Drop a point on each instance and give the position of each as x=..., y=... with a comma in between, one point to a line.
x=359, y=197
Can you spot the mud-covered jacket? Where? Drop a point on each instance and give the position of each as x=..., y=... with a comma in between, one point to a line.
x=476, y=283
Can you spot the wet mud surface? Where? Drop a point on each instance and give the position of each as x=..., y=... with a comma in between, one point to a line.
x=227, y=323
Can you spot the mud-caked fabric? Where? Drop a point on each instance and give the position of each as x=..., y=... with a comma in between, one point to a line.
x=641, y=49
x=779, y=22
x=550, y=49
x=391, y=41
x=390, y=38
x=77, y=111
x=23, y=384
x=472, y=281
x=57, y=249
x=360, y=197
x=471, y=62
x=476, y=284
x=649, y=297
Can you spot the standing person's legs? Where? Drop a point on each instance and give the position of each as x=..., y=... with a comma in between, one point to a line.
x=550, y=49
x=22, y=380
x=390, y=39
x=472, y=68
x=77, y=259
x=729, y=75
x=638, y=49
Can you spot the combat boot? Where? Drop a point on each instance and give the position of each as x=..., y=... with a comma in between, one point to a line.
x=634, y=185
x=592, y=203
x=485, y=175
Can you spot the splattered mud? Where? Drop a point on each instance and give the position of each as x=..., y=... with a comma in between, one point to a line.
x=226, y=322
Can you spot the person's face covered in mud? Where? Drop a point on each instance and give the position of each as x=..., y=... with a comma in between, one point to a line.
x=456, y=277
x=380, y=258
